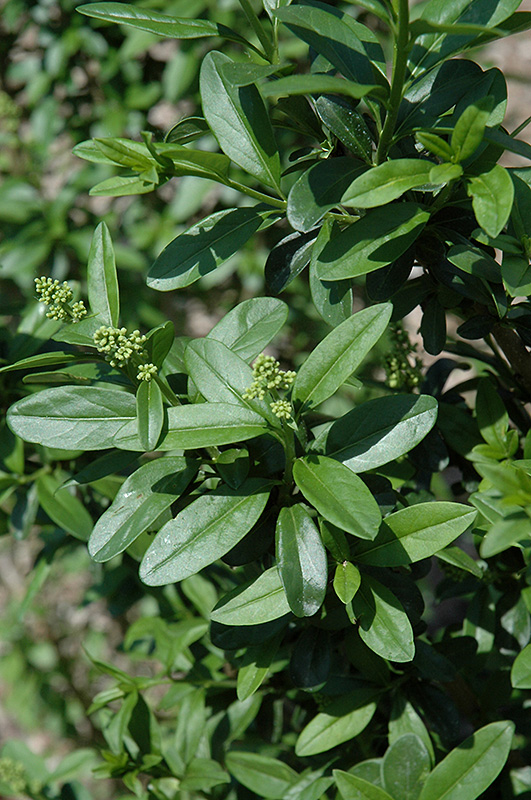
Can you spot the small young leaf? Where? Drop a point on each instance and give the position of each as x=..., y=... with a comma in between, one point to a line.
x=347, y=124
x=347, y=580
x=492, y=195
x=149, y=413
x=468, y=132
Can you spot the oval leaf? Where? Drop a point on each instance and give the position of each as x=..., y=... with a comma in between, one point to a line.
x=261, y=601
x=387, y=182
x=352, y=787
x=344, y=718
x=383, y=624
x=250, y=326
x=263, y=775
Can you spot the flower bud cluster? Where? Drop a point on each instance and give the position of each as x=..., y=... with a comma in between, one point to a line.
x=267, y=376
x=58, y=297
x=401, y=373
x=146, y=372
x=13, y=774
x=118, y=345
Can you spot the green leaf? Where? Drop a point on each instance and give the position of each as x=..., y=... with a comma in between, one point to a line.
x=239, y=121
x=42, y=360
x=374, y=241
x=155, y=22
x=140, y=501
x=310, y=662
x=72, y=417
x=352, y=787
x=521, y=669
x=203, y=247
x=387, y=182
x=458, y=558
x=159, y=342
x=474, y=261
x=346, y=124
x=405, y=720
x=383, y=624
x=414, y=533
x=202, y=774
x=350, y=46
x=405, y=767
x=318, y=190
x=347, y=580
x=332, y=299
x=492, y=195
x=149, y=414
x=263, y=775
x=338, y=494
x=203, y=532
x=343, y=719
x=222, y=376
x=445, y=173
x=233, y=466
x=287, y=259
x=63, y=508
x=301, y=559
x=381, y=430
x=491, y=415
x=122, y=186
x=337, y=356
x=320, y=84
x=202, y=425
x=433, y=326
x=468, y=132
x=435, y=144
x=107, y=464
x=250, y=326
x=201, y=163
x=471, y=768
x=516, y=275
x=262, y=600
x=126, y=153
x=255, y=667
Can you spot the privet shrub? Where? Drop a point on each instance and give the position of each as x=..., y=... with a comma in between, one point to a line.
x=291, y=515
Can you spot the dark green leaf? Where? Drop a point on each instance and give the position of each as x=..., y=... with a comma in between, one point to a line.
x=374, y=241
x=301, y=559
x=347, y=124
x=474, y=261
x=149, y=413
x=139, y=503
x=203, y=532
x=310, y=661
x=320, y=84
x=42, y=360
x=433, y=326
x=381, y=430
x=287, y=259
x=383, y=623
x=255, y=667
x=338, y=494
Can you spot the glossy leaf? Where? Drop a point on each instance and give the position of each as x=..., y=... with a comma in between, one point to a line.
x=381, y=430
x=72, y=417
x=347, y=580
x=263, y=600
x=414, y=533
x=318, y=190
x=337, y=356
x=374, y=241
x=239, y=121
x=471, y=768
x=343, y=719
x=288, y=259
x=203, y=532
x=203, y=247
x=338, y=494
x=200, y=425
x=352, y=787
x=387, y=182
x=347, y=124
x=250, y=326
x=405, y=767
x=140, y=500
x=149, y=414
x=383, y=623
x=64, y=508
x=301, y=559
x=102, y=281
x=492, y=195
x=263, y=775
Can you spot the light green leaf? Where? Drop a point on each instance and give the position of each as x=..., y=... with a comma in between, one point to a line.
x=491, y=415
x=239, y=120
x=203, y=532
x=338, y=494
x=263, y=600
x=445, y=173
x=383, y=624
x=492, y=195
x=405, y=767
x=347, y=580
x=201, y=163
x=458, y=558
x=149, y=413
x=414, y=533
x=72, y=417
x=263, y=775
x=122, y=186
x=301, y=559
x=387, y=182
x=381, y=430
x=352, y=787
x=63, y=508
x=250, y=326
x=337, y=356
x=468, y=132
x=201, y=425
x=471, y=767
x=344, y=718
x=521, y=669
x=203, y=247
x=140, y=500
x=255, y=667
x=374, y=241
